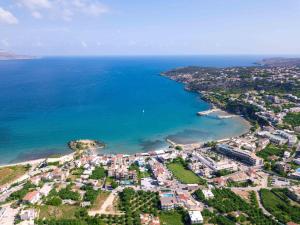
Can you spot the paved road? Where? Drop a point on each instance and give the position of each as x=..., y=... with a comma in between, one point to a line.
x=6, y=194
x=9, y=215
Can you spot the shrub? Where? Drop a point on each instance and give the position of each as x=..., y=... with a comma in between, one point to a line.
x=55, y=201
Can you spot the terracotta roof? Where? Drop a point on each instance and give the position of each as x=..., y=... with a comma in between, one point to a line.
x=292, y=223
x=30, y=195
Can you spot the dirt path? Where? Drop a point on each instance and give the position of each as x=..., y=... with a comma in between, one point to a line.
x=261, y=206
x=108, y=206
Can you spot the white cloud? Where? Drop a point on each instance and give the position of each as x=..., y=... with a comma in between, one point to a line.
x=132, y=43
x=5, y=43
x=78, y=3
x=7, y=17
x=84, y=44
x=67, y=14
x=64, y=9
x=36, y=15
x=94, y=9
x=88, y=7
x=38, y=44
x=36, y=4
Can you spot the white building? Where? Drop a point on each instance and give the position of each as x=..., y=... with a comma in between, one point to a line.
x=46, y=189
x=195, y=217
x=243, y=156
x=295, y=175
x=286, y=154
x=292, y=139
x=297, y=161
x=213, y=165
x=207, y=194
x=28, y=214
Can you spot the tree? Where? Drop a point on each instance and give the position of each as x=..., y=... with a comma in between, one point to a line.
x=55, y=201
x=267, y=166
x=179, y=148
x=114, y=184
x=67, y=193
x=200, y=195
x=81, y=213
x=98, y=173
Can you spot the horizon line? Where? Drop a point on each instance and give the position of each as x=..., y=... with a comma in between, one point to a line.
x=167, y=55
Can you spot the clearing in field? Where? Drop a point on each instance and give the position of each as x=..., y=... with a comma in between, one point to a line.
x=11, y=173
x=171, y=218
x=57, y=212
x=184, y=175
x=100, y=200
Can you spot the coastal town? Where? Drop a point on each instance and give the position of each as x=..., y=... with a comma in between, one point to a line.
x=250, y=179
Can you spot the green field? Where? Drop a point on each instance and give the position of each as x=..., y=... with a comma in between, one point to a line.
x=58, y=212
x=11, y=173
x=184, y=175
x=171, y=218
x=279, y=205
x=292, y=119
x=271, y=150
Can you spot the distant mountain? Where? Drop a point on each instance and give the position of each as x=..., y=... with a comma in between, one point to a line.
x=280, y=61
x=12, y=56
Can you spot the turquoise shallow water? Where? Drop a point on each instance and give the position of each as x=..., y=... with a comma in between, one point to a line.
x=120, y=100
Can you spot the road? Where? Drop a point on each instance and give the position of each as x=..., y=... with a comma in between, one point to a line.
x=261, y=206
x=9, y=216
x=6, y=194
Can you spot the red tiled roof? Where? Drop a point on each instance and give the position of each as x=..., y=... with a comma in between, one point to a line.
x=30, y=195
x=292, y=223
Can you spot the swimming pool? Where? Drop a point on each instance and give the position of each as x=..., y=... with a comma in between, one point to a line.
x=167, y=195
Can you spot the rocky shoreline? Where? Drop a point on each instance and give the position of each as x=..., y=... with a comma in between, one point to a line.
x=77, y=145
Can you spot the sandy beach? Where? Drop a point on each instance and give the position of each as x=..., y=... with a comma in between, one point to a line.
x=38, y=161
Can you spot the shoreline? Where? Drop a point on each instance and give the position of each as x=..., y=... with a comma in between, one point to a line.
x=37, y=161
x=192, y=145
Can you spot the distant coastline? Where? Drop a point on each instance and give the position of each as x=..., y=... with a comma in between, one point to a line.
x=5, y=56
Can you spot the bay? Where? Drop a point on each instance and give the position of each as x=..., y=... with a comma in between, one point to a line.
x=123, y=101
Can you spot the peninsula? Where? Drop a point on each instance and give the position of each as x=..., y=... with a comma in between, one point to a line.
x=78, y=145
x=262, y=94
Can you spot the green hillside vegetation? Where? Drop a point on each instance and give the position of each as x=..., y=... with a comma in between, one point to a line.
x=277, y=203
x=292, y=119
x=271, y=150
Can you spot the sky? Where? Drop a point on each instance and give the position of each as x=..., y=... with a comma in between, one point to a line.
x=155, y=27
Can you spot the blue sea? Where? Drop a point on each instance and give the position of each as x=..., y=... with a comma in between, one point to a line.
x=123, y=101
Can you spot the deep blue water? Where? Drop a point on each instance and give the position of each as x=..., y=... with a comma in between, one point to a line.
x=123, y=101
